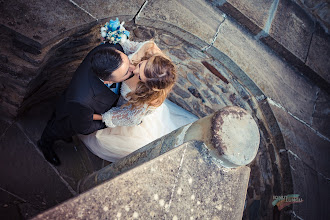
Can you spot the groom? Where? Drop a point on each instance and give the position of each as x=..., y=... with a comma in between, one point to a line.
x=94, y=89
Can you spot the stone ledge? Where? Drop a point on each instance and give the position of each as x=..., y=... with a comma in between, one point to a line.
x=179, y=184
x=196, y=22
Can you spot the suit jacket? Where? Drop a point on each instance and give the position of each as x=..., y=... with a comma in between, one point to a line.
x=85, y=96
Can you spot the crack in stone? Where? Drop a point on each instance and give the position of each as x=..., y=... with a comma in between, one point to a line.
x=84, y=10
x=167, y=209
x=74, y=193
x=16, y=196
x=296, y=156
x=136, y=17
x=216, y=34
x=296, y=216
x=314, y=107
x=272, y=10
x=272, y=102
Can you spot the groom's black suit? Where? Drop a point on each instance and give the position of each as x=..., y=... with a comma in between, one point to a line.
x=85, y=96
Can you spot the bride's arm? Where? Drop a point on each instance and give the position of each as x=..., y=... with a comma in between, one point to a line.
x=130, y=46
x=123, y=116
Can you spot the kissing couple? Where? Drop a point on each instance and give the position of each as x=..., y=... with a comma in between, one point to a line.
x=116, y=102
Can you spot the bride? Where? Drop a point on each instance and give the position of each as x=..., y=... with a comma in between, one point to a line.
x=143, y=114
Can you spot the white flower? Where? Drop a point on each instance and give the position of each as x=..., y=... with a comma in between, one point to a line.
x=103, y=34
x=103, y=29
x=123, y=38
x=122, y=26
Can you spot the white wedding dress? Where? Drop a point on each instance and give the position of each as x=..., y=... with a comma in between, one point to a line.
x=130, y=129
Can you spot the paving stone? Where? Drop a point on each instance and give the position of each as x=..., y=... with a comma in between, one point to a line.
x=211, y=97
x=198, y=108
x=252, y=14
x=193, y=80
x=196, y=66
x=179, y=53
x=144, y=33
x=195, y=53
x=292, y=28
x=24, y=172
x=170, y=40
x=181, y=92
x=36, y=25
x=180, y=102
x=195, y=93
x=319, y=54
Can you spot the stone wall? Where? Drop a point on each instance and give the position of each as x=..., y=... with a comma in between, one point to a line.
x=297, y=30
x=318, y=9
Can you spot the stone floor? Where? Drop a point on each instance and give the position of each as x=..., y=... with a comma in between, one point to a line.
x=30, y=185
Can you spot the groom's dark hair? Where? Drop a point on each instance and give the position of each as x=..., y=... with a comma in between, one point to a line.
x=105, y=61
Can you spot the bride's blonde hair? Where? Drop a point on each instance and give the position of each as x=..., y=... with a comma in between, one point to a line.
x=160, y=75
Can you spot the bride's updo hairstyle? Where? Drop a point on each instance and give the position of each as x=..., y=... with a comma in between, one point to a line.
x=160, y=75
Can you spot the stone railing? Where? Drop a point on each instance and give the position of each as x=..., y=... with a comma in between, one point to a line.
x=197, y=171
x=230, y=135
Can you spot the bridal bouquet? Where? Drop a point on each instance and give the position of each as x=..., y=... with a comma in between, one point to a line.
x=114, y=32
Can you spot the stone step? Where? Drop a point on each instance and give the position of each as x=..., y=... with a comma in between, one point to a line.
x=29, y=184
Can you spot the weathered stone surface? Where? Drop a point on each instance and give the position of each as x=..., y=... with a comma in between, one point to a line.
x=303, y=142
x=8, y=206
x=305, y=182
x=321, y=117
x=192, y=189
x=105, y=9
x=195, y=93
x=194, y=80
x=292, y=28
x=193, y=17
x=36, y=25
x=25, y=173
x=267, y=71
x=181, y=92
x=179, y=53
x=180, y=102
x=251, y=14
x=194, y=53
x=319, y=54
x=144, y=33
x=75, y=160
x=235, y=135
x=170, y=40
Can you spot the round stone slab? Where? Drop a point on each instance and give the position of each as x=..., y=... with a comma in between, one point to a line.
x=235, y=135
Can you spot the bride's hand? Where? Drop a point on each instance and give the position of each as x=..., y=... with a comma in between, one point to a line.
x=97, y=117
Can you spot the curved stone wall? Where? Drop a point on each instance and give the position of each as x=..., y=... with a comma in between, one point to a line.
x=41, y=48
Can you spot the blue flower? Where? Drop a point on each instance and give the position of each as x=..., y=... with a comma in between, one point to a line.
x=127, y=33
x=114, y=25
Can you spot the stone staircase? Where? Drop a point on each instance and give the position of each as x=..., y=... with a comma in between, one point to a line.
x=251, y=47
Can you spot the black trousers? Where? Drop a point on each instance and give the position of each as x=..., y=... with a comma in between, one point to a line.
x=56, y=130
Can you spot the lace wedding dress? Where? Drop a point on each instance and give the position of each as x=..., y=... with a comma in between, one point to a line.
x=130, y=129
